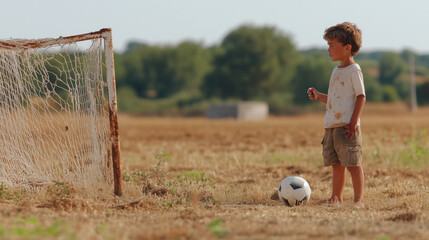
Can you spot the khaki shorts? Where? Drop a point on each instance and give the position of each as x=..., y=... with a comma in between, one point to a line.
x=337, y=148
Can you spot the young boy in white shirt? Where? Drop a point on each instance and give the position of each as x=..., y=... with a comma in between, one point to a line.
x=342, y=142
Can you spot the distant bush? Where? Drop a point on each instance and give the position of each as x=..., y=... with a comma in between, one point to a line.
x=182, y=104
x=373, y=89
x=279, y=103
x=422, y=93
x=389, y=94
x=128, y=101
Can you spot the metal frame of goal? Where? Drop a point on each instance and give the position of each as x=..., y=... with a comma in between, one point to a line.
x=106, y=35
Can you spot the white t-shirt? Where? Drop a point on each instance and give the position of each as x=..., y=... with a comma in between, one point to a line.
x=344, y=86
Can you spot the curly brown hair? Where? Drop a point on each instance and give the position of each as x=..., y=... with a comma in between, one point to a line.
x=345, y=33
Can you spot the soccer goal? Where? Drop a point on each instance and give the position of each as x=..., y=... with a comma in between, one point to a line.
x=58, y=112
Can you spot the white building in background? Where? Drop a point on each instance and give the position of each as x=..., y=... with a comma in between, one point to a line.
x=253, y=111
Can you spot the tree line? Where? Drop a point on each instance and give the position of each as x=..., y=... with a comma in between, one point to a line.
x=251, y=63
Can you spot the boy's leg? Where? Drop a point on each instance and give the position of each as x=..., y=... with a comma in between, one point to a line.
x=338, y=182
x=330, y=158
x=358, y=183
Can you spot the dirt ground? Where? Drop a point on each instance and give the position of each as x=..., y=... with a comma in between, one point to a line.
x=193, y=178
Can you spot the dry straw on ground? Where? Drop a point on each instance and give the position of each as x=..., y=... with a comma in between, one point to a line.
x=201, y=179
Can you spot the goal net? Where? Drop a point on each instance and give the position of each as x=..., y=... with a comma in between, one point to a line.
x=56, y=107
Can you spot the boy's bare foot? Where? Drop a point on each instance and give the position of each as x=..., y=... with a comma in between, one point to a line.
x=330, y=201
x=359, y=205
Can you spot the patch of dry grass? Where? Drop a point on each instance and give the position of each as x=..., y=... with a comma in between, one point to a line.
x=200, y=179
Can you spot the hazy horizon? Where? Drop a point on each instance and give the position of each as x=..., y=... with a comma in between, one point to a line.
x=386, y=25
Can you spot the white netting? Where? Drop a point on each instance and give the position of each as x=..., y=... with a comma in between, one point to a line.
x=54, y=118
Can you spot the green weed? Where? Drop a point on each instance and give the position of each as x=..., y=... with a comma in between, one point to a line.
x=4, y=193
x=159, y=170
x=196, y=178
x=60, y=190
x=416, y=155
x=216, y=227
x=180, y=190
x=32, y=228
x=185, y=185
x=134, y=176
x=7, y=194
x=102, y=230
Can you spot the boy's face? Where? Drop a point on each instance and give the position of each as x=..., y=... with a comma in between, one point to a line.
x=337, y=51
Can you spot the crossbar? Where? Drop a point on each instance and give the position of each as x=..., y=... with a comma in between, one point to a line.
x=46, y=42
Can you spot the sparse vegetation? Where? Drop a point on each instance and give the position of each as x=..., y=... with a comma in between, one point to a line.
x=60, y=190
x=31, y=228
x=217, y=229
x=7, y=194
x=219, y=180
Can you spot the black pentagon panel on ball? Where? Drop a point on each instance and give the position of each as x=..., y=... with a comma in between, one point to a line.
x=297, y=184
x=280, y=188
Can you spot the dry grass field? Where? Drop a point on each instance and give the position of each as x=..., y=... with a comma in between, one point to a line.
x=201, y=179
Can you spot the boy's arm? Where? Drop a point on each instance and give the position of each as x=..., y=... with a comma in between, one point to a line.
x=323, y=97
x=350, y=129
x=313, y=94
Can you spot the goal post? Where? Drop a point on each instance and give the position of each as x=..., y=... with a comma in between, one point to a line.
x=56, y=122
x=113, y=111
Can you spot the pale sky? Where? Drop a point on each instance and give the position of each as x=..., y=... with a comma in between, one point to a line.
x=386, y=25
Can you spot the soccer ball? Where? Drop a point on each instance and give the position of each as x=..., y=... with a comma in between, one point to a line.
x=294, y=191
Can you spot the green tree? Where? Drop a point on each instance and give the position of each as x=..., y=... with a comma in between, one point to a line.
x=133, y=60
x=373, y=89
x=120, y=70
x=191, y=63
x=253, y=62
x=402, y=86
x=389, y=94
x=422, y=93
x=391, y=66
x=314, y=71
x=163, y=71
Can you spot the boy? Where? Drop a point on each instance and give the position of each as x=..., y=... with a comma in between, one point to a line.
x=344, y=103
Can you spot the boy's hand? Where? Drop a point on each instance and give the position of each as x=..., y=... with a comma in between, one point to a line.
x=313, y=94
x=349, y=130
